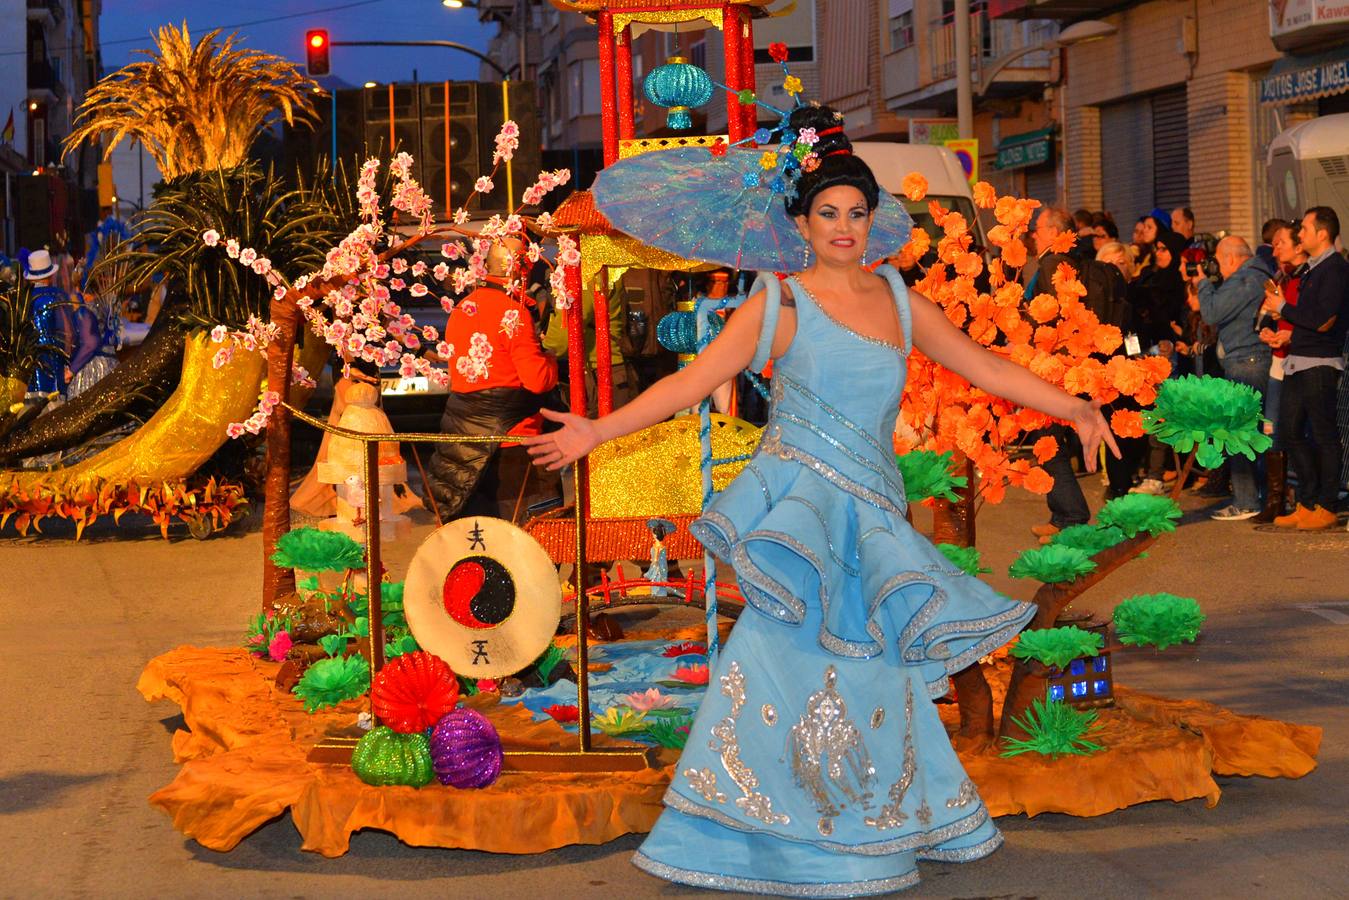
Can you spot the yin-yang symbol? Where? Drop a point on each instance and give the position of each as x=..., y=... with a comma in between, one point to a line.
x=479, y=592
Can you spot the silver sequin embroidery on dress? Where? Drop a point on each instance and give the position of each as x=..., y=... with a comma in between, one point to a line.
x=891, y=816
x=827, y=753
x=727, y=746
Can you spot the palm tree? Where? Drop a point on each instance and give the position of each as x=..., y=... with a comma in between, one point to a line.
x=194, y=107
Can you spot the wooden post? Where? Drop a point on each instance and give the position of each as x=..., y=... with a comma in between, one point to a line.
x=276, y=581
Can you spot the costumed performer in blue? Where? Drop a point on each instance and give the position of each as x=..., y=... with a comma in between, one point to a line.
x=817, y=765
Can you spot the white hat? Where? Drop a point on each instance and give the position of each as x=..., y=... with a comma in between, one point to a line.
x=40, y=266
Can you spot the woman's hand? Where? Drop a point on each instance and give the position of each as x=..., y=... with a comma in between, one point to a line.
x=577, y=437
x=1092, y=429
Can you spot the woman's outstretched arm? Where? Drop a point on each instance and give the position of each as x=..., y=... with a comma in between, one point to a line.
x=947, y=345
x=723, y=359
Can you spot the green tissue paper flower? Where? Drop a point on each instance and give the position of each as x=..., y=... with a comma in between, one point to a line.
x=311, y=550
x=670, y=732
x=1157, y=620
x=1213, y=416
x=1055, y=729
x=927, y=473
x=1052, y=564
x=330, y=681
x=620, y=720
x=966, y=559
x=1057, y=646
x=1090, y=539
x=1136, y=513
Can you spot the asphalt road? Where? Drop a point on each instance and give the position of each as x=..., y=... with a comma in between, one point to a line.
x=83, y=750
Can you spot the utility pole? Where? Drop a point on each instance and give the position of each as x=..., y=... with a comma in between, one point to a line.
x=964, y=79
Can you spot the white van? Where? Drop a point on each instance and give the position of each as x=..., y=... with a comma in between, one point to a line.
x=1309, y=166
x=946, y=182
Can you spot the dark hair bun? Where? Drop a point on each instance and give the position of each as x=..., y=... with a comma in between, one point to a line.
x=837, y=163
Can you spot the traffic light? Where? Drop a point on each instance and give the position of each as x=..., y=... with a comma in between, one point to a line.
x=316, y=51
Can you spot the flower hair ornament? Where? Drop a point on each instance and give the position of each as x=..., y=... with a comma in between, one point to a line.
x=727, y=204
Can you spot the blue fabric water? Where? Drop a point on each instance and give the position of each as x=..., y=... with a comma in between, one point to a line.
x=817, y=765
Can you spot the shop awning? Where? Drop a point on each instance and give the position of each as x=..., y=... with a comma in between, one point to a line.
x=1029, y=149
x=1297, y=78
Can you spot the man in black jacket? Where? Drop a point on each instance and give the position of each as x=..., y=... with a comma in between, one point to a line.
x=1312, y=371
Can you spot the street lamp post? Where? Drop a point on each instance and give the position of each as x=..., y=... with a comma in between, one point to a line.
x=1077, y=33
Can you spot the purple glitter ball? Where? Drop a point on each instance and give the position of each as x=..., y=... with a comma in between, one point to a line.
x=466, y=749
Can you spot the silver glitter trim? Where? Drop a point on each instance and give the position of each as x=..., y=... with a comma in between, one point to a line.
x=733, y=686
x=824, y=528
x=773, y=599
x=763, y=485
x=772, y=443
x=967, y=794
x=891, y=814
x=769, y=714
x=880, y=342
x=963, y=854
x=825, y=826
x=828, y=755
x=877, y=717
x=782, y=380
x=923, y=814
x=704, y=781
x=916, y=841
x=890, y=476
x=764, y=886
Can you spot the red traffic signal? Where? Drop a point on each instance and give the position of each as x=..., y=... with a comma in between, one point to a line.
x=316, y=51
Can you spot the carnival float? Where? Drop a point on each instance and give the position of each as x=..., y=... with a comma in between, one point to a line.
x=449, y=708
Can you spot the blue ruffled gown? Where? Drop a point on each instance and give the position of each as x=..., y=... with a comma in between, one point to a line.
x=817, y=765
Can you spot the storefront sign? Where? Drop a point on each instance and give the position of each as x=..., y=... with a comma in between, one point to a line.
x=933, y=131
x=1296, y=23
x=1296, y=78
x=1021, y=150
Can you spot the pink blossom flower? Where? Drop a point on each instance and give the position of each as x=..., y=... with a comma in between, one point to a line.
x=469, y=308
x=219, y=333
x=381, y=271
x=210, y=237
x=234, y=430
x=279, y=647
x=440, y=272
x=460, y=216
x=262, y=265
x=418, y=269
x=447, y=303
x=417, y=289
x=397, y=284
x=221, y=357
x=483, y=185
x=247, y=256
x=544, y=220
x=399, y=265
x=429, y=333
x=649, y=699
x=232, y=248
x=279, y=293
x=445, y=350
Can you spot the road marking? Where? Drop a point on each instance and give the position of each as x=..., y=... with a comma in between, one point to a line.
x=1325, y=611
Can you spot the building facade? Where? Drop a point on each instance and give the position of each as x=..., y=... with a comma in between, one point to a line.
x=48, y=59
x=1168, y=110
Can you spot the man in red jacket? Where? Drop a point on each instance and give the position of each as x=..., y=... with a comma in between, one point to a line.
x=498, y=376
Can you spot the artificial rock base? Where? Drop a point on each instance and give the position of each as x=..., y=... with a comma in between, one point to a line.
x=244, y=763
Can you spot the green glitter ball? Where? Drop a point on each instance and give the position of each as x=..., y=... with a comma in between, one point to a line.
x=746, y=97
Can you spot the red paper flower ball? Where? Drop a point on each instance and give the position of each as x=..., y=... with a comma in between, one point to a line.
x=777, y=52
x=413, y=691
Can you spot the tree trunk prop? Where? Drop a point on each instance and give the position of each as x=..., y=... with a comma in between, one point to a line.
x=1029, y=678
x=186, y=431
x=142, y=381
x=276, y=581
x=953, y=523
x=1183, y=476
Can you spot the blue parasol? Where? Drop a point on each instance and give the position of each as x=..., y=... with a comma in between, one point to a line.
x=722, y=209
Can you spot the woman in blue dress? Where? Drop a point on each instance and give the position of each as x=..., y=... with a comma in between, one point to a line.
x=817, y=765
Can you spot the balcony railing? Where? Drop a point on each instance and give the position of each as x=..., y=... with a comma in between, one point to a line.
x=42, y=76
x=990, y=40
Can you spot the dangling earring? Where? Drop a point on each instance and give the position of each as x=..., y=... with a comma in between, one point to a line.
x=805, y=258
x=864, y=258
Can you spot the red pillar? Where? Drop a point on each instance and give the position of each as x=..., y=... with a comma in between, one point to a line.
x=576, y=345
x=751, y=112
x=730, y=35
x=623, y=75
x=608, y=104
x=604, y=375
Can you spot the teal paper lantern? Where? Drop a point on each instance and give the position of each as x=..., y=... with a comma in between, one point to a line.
x=680, y=86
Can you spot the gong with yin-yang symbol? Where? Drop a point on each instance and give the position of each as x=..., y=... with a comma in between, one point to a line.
x=482, y=595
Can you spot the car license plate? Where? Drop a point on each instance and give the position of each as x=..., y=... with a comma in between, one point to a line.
x=416, y=385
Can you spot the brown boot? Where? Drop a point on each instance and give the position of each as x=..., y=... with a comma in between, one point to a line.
x=1276, y=487
x=1318, y=519
x=1294, y=518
